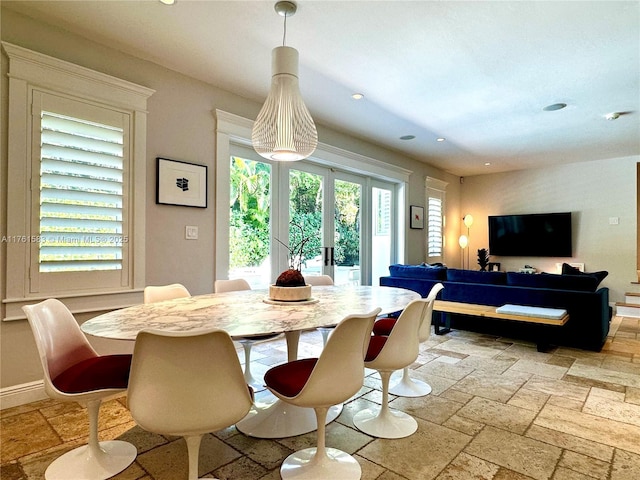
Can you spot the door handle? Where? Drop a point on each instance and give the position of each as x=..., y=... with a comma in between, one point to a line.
x=333, y=260
x=326, y=256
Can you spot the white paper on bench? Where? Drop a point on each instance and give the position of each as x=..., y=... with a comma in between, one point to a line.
x=541, y=312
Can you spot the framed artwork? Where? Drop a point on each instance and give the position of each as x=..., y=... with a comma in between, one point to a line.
x=416, y=214
x=494, y=267
x=181, y=183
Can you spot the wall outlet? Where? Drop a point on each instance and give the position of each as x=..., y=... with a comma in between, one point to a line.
x=614, y=220
x=191, y=232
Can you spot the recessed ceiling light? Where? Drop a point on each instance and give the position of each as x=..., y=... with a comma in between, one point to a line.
x=357, y=96
x=440, y=139
x=486, y=164
x=168, y=2
x=554, y=106
x=407, y=137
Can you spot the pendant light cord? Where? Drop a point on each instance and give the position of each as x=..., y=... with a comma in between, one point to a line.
x=284, y=35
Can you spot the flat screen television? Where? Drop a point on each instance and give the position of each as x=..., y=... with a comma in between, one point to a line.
x=530, y=235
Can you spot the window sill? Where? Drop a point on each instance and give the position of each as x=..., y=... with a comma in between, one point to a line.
x=95, y=302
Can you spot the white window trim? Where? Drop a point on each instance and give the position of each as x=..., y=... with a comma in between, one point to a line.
x=435, y=188
x=232, y=128
x=28, y=69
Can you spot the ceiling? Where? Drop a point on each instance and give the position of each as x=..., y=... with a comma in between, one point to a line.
x=476, y=73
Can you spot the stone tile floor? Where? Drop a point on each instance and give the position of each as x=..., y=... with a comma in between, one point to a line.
x=499, y=410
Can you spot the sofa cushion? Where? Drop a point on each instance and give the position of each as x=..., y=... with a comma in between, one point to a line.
x=418, y=271
x=583, y=283
x=476, y=276
x=569, y=270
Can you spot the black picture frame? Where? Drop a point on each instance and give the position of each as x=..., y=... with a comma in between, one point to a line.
x=416, y=217
x=493, y=266
x=181, y=183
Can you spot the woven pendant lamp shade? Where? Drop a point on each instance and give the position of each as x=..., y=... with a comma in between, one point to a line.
x=284, y=129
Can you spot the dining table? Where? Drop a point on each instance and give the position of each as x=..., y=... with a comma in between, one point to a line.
x=250, y=313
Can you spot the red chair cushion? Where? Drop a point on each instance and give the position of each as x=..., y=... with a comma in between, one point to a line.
x=288, y=379
x=97, y=373
x=384, y=326
x=375, y=347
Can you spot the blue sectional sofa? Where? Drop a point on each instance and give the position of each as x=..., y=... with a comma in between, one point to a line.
x=579, y=294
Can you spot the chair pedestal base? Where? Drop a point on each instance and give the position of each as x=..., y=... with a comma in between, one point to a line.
x=304, y=465
x=410, y=387
x=112, y=458
x=281, y=420
x=386, y=423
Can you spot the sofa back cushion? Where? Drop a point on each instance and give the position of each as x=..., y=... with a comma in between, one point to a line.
x=583, y=283
x=476, y=276
x=570, y=270
x=418, y=271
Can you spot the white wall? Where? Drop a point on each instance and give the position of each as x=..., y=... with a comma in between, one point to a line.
x=593, y=191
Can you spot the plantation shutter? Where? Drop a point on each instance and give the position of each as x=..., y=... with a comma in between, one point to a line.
x=434, y=227
x=81, y=168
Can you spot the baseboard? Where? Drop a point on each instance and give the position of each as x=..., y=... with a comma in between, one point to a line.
x=16, y=395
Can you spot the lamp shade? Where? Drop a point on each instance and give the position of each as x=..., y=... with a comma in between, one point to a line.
x=468, y=220
x=284, y=129
x=463, y=241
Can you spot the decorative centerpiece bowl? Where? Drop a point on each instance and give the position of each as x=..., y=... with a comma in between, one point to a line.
x=290, y=287
x=290, y=294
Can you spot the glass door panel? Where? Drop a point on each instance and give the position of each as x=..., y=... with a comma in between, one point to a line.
x=381, y=238
x=347, y=232
x=249, y=224
x=306, y=196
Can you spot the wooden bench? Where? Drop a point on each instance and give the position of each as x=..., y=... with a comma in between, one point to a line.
x=489, y=311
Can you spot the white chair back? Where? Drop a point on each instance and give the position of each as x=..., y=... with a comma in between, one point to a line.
x=318, y=280
x=402, y=346
x=186, y=384
x=339, y=372
x=160, y=293
x=425, y=326
x=60, y=342
x=235, y=285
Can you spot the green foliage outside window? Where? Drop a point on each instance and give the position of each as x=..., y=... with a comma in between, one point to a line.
x=250, y=213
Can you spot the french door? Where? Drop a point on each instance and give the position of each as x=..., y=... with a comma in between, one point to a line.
x=322, y=220
x=324, y=225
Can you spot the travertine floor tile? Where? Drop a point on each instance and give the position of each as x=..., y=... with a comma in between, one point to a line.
x=538, y=368
x=590, y=448
x=590, y=427
x=528, y=399
x=613, y=409
x=495, y=387
x=515, y=452
x=605, y=375
x=19, y=437
x=626, y=466
x=465, y=467
x=409, y=456
x=489, y=412
x=558, y=388
x=584, y=464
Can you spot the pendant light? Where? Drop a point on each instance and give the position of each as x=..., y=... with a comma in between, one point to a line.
x=284, y=129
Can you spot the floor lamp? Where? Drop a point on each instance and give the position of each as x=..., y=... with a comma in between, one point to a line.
x=464, y=239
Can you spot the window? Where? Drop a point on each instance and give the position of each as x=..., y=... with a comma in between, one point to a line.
x=435, y=193
x=77, y=188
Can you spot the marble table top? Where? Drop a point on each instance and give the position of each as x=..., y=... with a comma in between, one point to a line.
x=248, y=313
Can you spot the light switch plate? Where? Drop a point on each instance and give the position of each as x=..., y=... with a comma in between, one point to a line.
x=191, y=232
x=614, y=220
